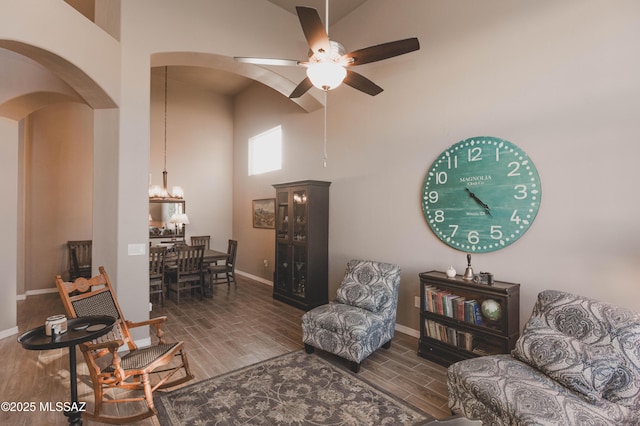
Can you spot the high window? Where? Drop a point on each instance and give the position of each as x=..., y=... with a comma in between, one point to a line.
x=265, y=152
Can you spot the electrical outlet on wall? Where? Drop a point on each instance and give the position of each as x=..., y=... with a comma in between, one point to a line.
x=416, y=301
x=266, y=263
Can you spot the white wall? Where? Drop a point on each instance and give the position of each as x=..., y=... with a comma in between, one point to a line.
x=558, y=79
x=60, y=191
x=9, y=131
x=257, y=110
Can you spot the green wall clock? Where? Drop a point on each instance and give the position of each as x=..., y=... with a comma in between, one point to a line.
x=481, y=194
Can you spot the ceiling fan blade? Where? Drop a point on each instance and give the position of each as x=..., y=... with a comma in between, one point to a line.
x=362, y=83
x=301, y=89
x=380, y=52
x=266, y=61
x=313, y=29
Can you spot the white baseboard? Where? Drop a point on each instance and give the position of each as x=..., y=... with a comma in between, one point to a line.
x=9, y=332
x=255, y=278
x=406, y=330
x=36, y=292
x=41, y=291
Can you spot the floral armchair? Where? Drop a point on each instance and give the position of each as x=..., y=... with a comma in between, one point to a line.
x=577, y=362
x=362, y=317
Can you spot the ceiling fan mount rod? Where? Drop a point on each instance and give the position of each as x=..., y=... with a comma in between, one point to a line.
x=326, y=16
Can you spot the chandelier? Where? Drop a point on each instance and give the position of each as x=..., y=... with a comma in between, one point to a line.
x=155, y=191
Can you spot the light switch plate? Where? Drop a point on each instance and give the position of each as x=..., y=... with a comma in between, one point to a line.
x=137, y=249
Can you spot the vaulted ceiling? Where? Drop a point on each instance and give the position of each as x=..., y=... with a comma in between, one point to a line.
x=337, y=8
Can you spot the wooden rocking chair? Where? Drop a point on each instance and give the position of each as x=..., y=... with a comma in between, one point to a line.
x=132, y=370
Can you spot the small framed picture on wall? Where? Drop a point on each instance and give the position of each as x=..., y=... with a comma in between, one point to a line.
x=264, y=213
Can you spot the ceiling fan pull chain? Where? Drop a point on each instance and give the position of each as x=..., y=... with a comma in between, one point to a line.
x=325, y=130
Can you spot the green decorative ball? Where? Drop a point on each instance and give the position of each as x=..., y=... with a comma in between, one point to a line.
x=491, y=310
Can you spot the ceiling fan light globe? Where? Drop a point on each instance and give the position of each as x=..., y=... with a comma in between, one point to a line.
x=326, y=75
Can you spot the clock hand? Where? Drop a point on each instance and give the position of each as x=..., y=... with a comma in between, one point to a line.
x=484, y=206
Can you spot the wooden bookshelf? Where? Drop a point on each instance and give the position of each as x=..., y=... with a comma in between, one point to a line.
x=457, y=322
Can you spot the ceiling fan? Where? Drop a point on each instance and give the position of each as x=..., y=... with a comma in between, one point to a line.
x=328, y=65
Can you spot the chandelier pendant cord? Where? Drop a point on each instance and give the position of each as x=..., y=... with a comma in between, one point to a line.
x=155, y=191
x=165, y=118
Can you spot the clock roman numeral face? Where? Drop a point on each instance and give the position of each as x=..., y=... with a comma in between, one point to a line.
x=481, y=194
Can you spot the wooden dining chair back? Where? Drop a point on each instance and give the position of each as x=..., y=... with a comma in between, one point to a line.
x=201, y=240
x=188, y=273
x=226, y=272
x=146, y=369
x=157, y=257
x=79, y=258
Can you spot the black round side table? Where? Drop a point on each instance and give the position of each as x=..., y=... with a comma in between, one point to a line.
x=79, y=330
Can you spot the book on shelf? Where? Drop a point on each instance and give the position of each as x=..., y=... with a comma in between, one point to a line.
x=472, y=312
x=460, y=308
x=428, y=295
x=438, y=295
x=465, y=340
x=449, y=335
x=477, y=314
x=451, y=305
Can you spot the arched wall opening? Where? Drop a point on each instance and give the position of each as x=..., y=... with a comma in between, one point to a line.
x=277, y=82
x=47, y=106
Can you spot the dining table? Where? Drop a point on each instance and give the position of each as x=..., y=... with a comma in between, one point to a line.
x=209, y=257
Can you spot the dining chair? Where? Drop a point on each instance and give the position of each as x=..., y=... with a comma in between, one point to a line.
x=188, y=273
x=228, y=269
x=201, y=240
x=114, y=361
x=79, y=258
x=157, y=255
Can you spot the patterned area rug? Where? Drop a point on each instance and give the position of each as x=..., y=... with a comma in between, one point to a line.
x=292, y=389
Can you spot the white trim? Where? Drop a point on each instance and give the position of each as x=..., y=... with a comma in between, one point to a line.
x=255, y=278
x=28, y=293
x=9, y=332
x=406, y=330
x=41, y=291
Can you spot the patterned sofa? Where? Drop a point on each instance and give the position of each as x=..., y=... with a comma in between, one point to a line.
x=361, y=319
x=577, y=362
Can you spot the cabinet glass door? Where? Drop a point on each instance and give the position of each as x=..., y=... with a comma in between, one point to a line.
x=300, y=215
x=300, y=271
x=282, y=226
x=284, y=267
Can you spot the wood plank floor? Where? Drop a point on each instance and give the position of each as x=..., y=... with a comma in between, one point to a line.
x=237, y=327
